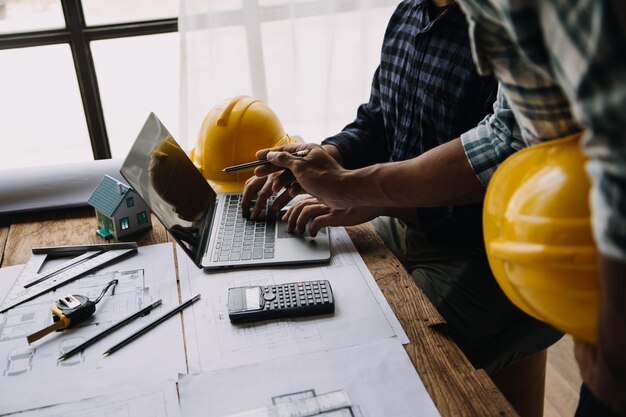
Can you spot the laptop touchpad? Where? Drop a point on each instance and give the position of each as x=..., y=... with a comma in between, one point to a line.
x=283, y=233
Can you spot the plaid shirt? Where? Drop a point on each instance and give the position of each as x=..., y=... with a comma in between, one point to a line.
x=562, y=66
x=425, y=92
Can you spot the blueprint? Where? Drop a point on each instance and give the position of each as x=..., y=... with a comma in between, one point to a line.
x=31, y=376
x=371, y=380
x=306, y=404
x=361, y=312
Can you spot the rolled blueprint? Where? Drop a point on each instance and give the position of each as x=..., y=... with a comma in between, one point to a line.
x=56, y=186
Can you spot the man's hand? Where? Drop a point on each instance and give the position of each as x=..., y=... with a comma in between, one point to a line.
x=259, y=190
x=317, y=173
x=320, y=215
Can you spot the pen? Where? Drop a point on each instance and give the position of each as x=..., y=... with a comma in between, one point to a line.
x=303, y=152
x=144, y=311
x=152, y=325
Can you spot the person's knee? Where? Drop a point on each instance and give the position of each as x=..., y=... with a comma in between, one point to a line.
x=392, y=236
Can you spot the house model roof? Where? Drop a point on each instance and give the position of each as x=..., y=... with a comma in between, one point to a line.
x=108, y=195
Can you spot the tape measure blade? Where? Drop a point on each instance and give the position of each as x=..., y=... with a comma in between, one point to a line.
x=18, y=294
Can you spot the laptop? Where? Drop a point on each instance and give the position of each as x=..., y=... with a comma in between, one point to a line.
x=209, y=226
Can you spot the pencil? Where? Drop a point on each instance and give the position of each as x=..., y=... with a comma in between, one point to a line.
x=152, y=325
x=303, y=152
x=144, y=311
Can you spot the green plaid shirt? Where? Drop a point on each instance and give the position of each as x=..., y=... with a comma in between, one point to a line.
x=561, y=65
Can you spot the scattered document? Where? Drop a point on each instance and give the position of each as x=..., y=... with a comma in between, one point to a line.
x=372, y=380
x=347, y=364
x=361, y=312
x=31, y=375
x=159, y=401
x=345, y=253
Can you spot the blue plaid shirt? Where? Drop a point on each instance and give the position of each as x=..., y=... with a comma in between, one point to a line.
x=562, y=66
x=425, y=92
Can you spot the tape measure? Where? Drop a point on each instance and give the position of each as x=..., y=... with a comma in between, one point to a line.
x=30, y=283
x=70, y=311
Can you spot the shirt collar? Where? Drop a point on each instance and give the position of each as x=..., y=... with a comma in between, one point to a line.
x=453, y=13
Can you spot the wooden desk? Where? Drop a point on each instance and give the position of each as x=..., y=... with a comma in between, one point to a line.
x=455, y=386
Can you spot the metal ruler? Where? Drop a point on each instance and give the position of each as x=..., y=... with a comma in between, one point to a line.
x=30, y=283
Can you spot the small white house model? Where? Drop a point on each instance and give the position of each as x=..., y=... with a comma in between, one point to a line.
x=119, y=209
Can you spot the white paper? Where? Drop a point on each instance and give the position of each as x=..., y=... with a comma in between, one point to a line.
x=345, y=253
x=378, y=378
x=55, y=186
x=158, y=401
x=361, y=312
x=31, y=376
x=7, y=277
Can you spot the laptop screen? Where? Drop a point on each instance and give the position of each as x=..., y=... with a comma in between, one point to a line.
x=171, y=185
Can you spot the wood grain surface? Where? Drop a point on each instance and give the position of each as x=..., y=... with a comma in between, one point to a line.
x=455, y=386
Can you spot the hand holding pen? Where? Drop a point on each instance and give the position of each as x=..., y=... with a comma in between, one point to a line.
x=259, y=162
x=317, y=173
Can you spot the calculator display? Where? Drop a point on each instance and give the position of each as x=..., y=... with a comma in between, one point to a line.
x=244, y=299
x=253, y=298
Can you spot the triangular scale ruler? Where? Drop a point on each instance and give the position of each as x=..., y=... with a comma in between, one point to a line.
x=30, y=283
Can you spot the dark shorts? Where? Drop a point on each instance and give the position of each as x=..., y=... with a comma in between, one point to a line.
x=486, y=326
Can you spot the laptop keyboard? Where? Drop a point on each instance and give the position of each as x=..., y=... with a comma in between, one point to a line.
x=241, y=239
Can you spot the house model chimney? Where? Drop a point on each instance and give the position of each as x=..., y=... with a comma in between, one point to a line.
x=120, y=188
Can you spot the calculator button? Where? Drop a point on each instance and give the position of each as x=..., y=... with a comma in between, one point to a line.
x=269, y=296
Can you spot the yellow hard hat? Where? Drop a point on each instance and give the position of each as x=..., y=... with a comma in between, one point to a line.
x=538, y=236
x=231, y=133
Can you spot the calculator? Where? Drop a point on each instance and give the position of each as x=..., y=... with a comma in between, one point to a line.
x=294, y=299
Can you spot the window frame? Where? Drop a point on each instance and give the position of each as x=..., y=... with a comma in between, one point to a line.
x=79, y=36
x=124, y=221
x=142, y=217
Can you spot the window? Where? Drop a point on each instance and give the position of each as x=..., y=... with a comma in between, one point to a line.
x=142, y=217
x=72, y=88
x=130, y=202
x=124, y=223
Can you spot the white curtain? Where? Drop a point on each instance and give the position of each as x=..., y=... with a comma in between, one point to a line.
x=312, y=61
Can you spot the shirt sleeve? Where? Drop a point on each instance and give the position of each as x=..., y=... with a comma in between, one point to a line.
x=363, y=142
x=495, y=138
x=589, y=62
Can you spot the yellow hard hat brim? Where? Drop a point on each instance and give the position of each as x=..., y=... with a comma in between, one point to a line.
x=226, y=186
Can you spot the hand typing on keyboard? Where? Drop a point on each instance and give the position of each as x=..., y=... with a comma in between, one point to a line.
x=244, y=239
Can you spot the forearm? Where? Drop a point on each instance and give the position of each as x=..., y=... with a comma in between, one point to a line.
x=439, y=177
